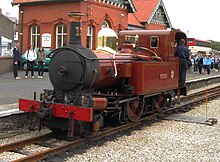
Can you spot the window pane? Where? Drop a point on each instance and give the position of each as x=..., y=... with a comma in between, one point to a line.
x=89, y=42
x=59, y=29
x=38, y=42
x=64, y=40
x=32, y=39
x=89, y=31
x=154, y=42
x=59, y=41
x=38, y=30
x=64, y=29
x=34, y=43
x=33, y=30
x=89, y=37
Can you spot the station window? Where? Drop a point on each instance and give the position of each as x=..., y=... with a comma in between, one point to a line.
x=61, y=35
x=89, y=37
x=154, y=42
x=105, y=24
x=35, y=36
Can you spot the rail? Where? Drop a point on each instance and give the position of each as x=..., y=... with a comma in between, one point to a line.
x=186, y=105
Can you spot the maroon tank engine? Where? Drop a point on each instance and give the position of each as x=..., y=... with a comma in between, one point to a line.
x=93, y=89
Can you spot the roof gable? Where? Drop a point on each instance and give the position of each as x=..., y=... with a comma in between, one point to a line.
x=160, y=8
x=146, y=11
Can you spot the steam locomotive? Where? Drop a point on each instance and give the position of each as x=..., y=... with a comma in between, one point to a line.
x=96, y=88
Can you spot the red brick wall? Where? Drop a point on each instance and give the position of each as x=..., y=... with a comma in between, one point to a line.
x=153, y=26
x=47, y=16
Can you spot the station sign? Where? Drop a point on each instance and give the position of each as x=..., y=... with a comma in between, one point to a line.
x=16, y=36
x=46, y=40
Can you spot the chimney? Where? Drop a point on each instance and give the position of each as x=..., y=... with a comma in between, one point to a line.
x=75, y=29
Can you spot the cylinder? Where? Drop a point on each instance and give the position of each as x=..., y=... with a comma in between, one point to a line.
x=99, y=104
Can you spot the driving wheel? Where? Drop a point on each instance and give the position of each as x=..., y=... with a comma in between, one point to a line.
x=160, y=102
x=134, y=110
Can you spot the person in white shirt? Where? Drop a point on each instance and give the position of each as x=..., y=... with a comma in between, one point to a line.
x=31, y=57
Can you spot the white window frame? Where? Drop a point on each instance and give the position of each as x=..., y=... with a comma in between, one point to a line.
x=89, y=36
x=62, y=34
x=35, y=35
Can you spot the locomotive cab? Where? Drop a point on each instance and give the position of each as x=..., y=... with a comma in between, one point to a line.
x=161, y=42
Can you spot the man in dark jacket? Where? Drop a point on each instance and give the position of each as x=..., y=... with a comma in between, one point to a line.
x=183, y=53
x=17, y=55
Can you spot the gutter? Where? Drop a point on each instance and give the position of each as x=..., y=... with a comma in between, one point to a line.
x=21, y=28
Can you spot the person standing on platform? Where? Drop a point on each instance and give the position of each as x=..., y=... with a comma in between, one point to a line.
x=41, y=60
x=204, y=63
x=200, y=63
x=216, y=63
x=191, y=64
x=183, y=53
x=208, y=63
x=16, y=59
x=195, y=69
x=31, y=56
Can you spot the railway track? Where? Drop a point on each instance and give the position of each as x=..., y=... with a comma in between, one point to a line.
x=187, y=102
x=52, y=146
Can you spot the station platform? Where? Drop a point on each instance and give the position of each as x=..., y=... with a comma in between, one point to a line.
x=11, y=90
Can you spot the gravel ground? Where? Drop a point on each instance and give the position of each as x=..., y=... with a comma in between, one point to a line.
x=10, y=156
x=161, y=141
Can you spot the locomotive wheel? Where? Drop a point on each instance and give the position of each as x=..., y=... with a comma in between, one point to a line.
x=134, y=110
x=160, y=102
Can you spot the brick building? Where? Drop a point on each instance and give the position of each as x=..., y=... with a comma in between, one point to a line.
x=46, y=22
x=8, y=28
x=150, y=15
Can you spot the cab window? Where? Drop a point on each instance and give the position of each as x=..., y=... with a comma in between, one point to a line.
x=154, y=42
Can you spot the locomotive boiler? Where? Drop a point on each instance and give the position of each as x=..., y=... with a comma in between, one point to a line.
x=97, y=88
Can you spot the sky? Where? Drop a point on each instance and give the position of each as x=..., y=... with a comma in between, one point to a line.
x=197, y=18
x=6, y=6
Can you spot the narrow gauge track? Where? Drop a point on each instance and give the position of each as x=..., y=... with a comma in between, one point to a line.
x=202, y=93
x=188, y=101
x=58, y=146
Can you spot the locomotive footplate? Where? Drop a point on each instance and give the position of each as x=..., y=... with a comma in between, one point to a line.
x=71, y=119
x=59, y=110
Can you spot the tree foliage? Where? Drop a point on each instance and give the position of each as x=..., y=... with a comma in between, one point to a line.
x=215, y=45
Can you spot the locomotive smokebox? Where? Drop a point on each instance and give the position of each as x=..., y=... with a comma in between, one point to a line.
x=73, y=67
x=75, y=29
